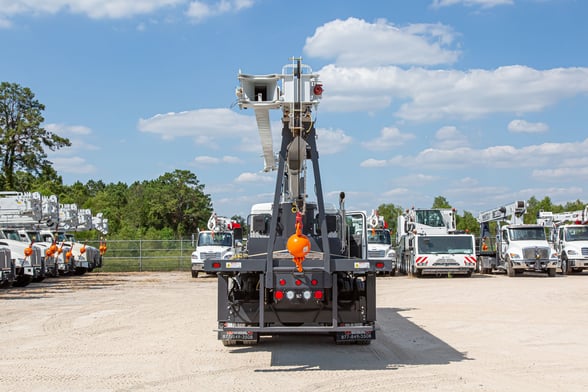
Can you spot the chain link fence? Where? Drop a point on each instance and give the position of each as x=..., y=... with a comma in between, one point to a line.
x=146, y=255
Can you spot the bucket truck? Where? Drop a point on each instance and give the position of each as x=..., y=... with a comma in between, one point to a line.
x=222, y=240
x=568, y=232
x=379, y=241
x=307, y=270
x=18, y=209
x=516, y=247
x=429, y=244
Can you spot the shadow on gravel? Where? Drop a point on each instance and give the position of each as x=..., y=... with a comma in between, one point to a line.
x=399, y=342
x=58, y=285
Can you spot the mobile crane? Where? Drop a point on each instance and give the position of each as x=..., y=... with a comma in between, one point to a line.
x=307, y=270
x=429, y=244
x=568, y=232
x=517, y=247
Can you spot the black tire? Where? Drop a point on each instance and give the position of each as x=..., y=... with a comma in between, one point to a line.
x=194, y=274
x=565, y=266
x=510, y=271
x=551, y=272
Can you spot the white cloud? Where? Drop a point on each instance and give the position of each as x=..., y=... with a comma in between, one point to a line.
x=331, y=141
x=248, y=177
x=389, y=138
x=115, y=9
x=522, y=126
x=381, y=43
x=66, y=130
x=208, y=160
x=449, y=137
x=373, y=163
x=199, y=10
x=481, y=3
x=74, y=165
x=204, y=125
x=435, y=94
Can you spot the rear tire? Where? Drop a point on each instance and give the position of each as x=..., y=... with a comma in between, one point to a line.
x=194, y=274
x=551, y=272
x=510, y=271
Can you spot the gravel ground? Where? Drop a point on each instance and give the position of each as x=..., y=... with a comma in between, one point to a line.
x=155, y=331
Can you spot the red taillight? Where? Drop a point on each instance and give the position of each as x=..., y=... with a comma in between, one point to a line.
x=314, y=282
x=379, y=264
x=318, y=295
x=298, y=282
x=279, y=295
x=216, y=264
x=282, y=282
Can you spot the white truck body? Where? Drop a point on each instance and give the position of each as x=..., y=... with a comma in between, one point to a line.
x=379, y=241
x=218, y=242
x=519, y=247
x=429, y=244
x=568, y=232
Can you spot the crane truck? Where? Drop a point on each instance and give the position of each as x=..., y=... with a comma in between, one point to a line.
x=222, y=240
x=430, y=244
x=379, y=241
x=27, y=258
x=516, y=247
x=568, y=232
x=306, y=270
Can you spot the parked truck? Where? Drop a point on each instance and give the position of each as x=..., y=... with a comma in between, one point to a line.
x=430, y=244
x=223, y=240
x=568, y=233
x=307, y=270
x=511, y=245
x=380, y=245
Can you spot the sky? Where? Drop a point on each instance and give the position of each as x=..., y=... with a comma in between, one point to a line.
x=483, y=102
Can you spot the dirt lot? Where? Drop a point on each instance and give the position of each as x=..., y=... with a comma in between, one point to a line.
x=155, y=331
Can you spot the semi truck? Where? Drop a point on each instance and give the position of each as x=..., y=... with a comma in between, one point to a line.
x=222, y=240
x=430, y=244
x=307, y=269
x=511, y=245
x=568, y=233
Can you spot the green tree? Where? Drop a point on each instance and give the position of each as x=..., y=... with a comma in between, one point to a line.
x=22, y=139
x=390, y=212
x=468, y=223
x=440, y=202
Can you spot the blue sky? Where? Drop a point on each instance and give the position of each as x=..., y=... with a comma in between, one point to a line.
x=481, y=101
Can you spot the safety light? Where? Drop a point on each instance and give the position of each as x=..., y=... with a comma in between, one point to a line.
x=216, y=264
x=279, y=295
x=282, y=282
x=318, y=294
x=298, y=282
x=379, y=264
x=306, y=294
x=290, y=295
x=314, y=282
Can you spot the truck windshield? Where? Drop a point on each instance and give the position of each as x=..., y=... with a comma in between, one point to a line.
x=527, y=234
x=431, y=218
x=215, y=239
x=579, y=233
x=379, y=236
x=446, y=244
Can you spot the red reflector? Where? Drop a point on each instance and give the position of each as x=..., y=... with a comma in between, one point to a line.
x=318, y=294
x=279, y=295
x=379, y=265
x=282, y=282
x=216, y=265
x=298, y=282
x=314, y=282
